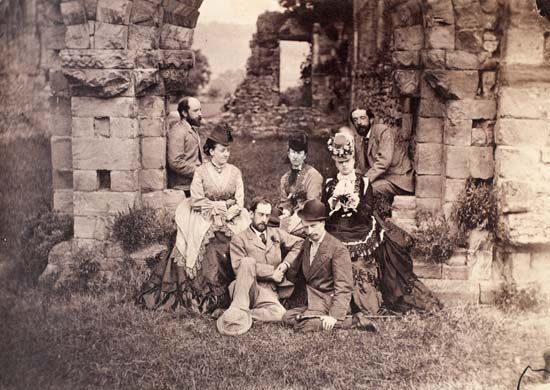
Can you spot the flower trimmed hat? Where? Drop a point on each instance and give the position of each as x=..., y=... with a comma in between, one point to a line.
x=340, y=147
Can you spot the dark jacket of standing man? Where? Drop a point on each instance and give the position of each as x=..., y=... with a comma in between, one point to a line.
x=184, y=146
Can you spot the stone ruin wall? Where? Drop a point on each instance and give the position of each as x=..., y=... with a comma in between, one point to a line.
x=256, y=110
x=468, y=91
x=112, y=66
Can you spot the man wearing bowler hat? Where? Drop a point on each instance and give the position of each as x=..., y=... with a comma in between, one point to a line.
x=326, y=266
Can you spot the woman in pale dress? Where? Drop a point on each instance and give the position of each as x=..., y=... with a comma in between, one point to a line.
x=196, y=274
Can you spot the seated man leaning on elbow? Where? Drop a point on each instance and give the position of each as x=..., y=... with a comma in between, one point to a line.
x=326, y=266
x=385, y=159
x=260, y=272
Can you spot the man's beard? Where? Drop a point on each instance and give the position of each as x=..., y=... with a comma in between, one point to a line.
x=194, y=122
x=260, y=227
x=363, y=130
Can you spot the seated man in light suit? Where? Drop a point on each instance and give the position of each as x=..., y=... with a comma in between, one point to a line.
x=259, y=268
x=326, y=266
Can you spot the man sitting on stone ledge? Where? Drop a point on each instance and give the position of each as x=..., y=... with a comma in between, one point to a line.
x=380, y=157
x=184, y=153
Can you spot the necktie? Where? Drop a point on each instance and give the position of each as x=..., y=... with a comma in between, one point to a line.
x=262, y=236
x=313, y=250
x=293, y=176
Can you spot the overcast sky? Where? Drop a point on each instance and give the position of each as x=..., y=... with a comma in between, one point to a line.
x=235, y=11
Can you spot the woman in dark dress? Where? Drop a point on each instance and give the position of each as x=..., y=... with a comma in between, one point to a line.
x=382, y=268
x=195, y=276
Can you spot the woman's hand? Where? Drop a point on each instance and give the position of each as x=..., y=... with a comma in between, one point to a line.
x=232, y=212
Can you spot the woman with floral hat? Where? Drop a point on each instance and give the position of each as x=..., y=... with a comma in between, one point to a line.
x=382, y=269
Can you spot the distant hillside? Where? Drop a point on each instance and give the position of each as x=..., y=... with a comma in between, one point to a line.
x=225, y=45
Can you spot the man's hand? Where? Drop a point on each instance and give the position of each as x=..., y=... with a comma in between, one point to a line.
x=328, y=322
x=277, y=276
x=283, y=267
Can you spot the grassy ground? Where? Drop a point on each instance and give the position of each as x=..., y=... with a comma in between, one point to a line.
x=50, y=342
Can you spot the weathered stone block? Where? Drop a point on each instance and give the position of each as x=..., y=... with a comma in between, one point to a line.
x=525, y=102
x=407, y=82
x=454, y=292
x=540, y=266
x=440, y=37
x=527, y=228
x=91, y=8
x=153, y=152
x=481, y=162
x=469, y=40
x=432, y=108
x=524, y=46
x=102, y=127
x=440, y=11
x=148, y=82
x=85, y=180
x=77, y=36
x=124, y=181
x=153, y=199
x=177, y=59
x=458, y=133
x=488, y=83
x=459, y=258
x=427, y=270
x=110, y=36
x=429, y=130
x=151, y=107
x=406, y=59
x=180, y=14
x=114, y=11
x=483, y=135
x=175, y=80
x=145, y=13
x=460, y=110
x=107, y=59
x=456, y=272
x=84, y=227
x=175, y=37
x=403, y=202
x=461, y=60
x=59, y=84
x=457, y=162
x=468, y=17
x=148, y=58
x=432, y=205
x=124, y=128
x=97, y=107
x=525, y=76
x=143, y=37
x=98, y=82
x=517, y=162
x=152, y=179
x=429, y=159
x=409, y=38
x=82, y=127
x=61, y=153
x=428, y=186
x=53, y=37
x=103, y=202
x=106, y=153
x=520, y=263
x=73, y=13
x=515, y=196
x=152, y=127
x=62, y=180
x=453, y=84
x=433, y=59
x=448, y=210
x=63, y=201
x=452, y=189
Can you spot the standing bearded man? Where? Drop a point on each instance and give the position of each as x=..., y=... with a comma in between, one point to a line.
x=380, y=157
x=184, y=145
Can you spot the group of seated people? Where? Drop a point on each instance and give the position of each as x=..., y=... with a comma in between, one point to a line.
x=323, y=236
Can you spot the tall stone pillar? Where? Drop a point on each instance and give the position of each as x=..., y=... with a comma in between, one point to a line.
x=119, y=62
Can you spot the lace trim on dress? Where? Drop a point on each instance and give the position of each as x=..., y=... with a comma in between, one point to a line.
x=368, y=245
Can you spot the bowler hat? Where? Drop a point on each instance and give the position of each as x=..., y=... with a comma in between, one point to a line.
x=234, y=322
x=313, y=210
x=221, y=134
x=298, y=142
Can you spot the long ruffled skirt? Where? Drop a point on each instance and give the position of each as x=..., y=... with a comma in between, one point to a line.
x=170, y=288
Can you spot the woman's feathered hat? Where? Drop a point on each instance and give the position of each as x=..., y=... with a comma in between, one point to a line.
x=340, y=146
x=221, y=134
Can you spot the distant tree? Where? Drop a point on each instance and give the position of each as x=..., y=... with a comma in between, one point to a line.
x=325, y=12
x=199, y=76
x=214, y=93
